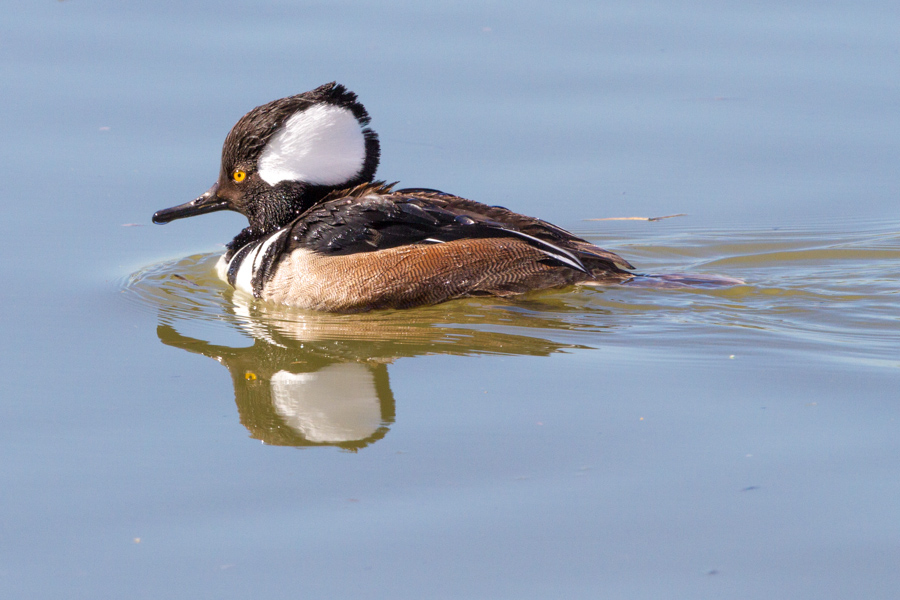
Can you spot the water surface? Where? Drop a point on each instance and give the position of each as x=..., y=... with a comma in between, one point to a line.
x=164, y=437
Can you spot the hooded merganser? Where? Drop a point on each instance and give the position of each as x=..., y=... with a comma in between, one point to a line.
x=323, y=235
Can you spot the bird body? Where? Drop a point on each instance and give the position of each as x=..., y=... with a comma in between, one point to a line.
x=324, y=236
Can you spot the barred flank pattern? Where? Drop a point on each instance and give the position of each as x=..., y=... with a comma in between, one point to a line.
x=415, y=275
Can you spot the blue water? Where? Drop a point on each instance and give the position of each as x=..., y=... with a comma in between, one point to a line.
x=619, y=442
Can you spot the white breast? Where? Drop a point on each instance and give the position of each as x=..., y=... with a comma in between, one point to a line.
x=250, y=264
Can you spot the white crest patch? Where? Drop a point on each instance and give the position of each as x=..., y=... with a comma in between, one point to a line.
x=322, y=145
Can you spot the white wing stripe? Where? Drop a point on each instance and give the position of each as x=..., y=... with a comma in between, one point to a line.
x=560, y=254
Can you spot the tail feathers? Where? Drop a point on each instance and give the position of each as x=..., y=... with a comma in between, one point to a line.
x=682, y=280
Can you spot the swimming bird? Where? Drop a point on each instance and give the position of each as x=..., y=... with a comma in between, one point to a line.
x=324, y=235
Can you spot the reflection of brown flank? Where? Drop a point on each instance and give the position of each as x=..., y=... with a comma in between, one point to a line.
x=419, y=274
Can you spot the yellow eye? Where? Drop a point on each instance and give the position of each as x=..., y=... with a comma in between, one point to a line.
x=239, y=175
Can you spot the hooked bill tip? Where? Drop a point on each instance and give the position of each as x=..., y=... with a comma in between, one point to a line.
x=160, y=218
x=207, y=203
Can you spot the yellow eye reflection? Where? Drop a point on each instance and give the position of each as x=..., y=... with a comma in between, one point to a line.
x=239, y=175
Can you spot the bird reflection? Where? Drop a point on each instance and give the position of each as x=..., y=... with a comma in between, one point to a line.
x=313, y=379
x=302, y=394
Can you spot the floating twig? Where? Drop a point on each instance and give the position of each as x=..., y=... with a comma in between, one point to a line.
x=184, y=279
x=639, y=218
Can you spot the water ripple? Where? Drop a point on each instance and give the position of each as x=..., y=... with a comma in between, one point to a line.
x=826, y=291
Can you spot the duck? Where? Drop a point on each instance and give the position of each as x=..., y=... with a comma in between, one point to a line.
x=324, y=235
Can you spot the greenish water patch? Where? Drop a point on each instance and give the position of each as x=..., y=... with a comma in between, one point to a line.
x=804, y=289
